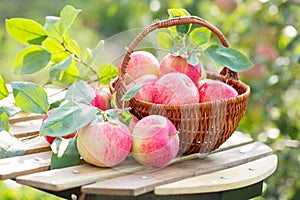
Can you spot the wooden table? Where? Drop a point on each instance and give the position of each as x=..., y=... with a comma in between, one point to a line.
x=234, y=171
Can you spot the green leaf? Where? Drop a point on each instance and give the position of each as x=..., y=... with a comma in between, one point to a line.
x=91, y=54
x=65, y=153
x=67, y=119
x=80, y=92
x=11, y=110
x=10, y=146
x=56, y=71
x=3, y=89
x=31, y=59
x=165, y=41
x=26, y=31
x=69, y=76
x=131, y=92
x=30, y=97
x=228, y=57
x=199, y=36
x=180, y=29
x=56, y=49
x=4, y=121
x=68, y=16
x=52, y=26
x=106, y=72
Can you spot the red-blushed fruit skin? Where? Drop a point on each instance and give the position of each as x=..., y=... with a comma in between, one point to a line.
x=103, y=97
x=141, y=63
x=145, y=93
x=50, y=139
x=213, y=90
x=172, y=63
x=104, y=144
x=155, y=141
x=175, y=89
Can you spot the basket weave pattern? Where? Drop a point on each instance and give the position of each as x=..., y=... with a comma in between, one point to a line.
x=203, y=127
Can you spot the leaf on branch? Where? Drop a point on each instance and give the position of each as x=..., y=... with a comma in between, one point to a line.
x=4, y=121
x=56, y=71
x=80, y=92
x=165, y=41
x=68, y=16
x=31, y=59
x=30, y=97
x=228, y=57
x=106, y=72
x=3, y=89
x=26, y=31
x=199, y=36
x=180, y=30
x=10, y=146
x=52, y=26
x=131, y=92
x=65, y=153
x=68, y=119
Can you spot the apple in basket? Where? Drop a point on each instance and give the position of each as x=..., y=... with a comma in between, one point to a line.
x=213, y=90
x=145, y=93
x=155, y=141
x=171, y=63
x=104, y=143
x=175, y=89
x=141, y=63
x=50, y=139
x=102, y=99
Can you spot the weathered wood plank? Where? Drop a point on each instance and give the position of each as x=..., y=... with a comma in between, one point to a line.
x=12, y=167
x=228, y=179
x=36, y=144
x=134, y=184
x=25, y=128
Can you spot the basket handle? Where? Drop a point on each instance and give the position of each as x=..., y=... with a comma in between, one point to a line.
x=178, y=21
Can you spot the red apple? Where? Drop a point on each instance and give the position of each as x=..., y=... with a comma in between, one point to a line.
x=50, y=139
x=213, y=90
x=141, y=63
x=175, y=89
x=172, y=63
x=155, y=141
x=102, y=99
x=145, y=93
x=104, y=144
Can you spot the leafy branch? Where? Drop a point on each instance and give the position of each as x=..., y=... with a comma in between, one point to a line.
x=182, y=40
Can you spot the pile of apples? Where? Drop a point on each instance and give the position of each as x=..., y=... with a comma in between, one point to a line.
x=152, y=141
x=173, y=81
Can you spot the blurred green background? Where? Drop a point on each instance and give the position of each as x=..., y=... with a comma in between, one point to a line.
x=267, y=31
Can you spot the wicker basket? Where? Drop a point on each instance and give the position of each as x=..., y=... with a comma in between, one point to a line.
x=203, y=127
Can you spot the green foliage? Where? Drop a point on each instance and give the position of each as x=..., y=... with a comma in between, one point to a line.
x=65, y=153
x=30, y=97
x=3, y=89
x=228, y=57
x=26, y=31
x=10, y=146
x=68, y=119
x=273, y=112
x=186, y=42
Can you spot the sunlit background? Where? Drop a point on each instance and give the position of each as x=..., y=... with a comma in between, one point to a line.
x=267, y=31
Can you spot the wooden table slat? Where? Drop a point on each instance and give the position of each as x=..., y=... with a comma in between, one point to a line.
x=223, y=180
x=12, y=167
